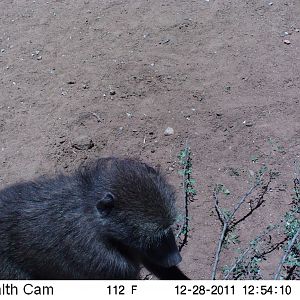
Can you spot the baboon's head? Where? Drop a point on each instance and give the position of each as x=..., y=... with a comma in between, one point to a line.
x=136, y=206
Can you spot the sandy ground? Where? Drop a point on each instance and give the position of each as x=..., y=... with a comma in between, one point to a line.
x=120, y=72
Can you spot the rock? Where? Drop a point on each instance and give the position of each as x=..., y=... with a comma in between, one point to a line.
x=169, y=131
x=287, y=42
x=83, y=143
x=112, y=92
x=248, y=124
x=284, y=33
x=165, y=41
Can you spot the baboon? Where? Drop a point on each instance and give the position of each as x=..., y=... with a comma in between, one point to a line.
x=104, y=221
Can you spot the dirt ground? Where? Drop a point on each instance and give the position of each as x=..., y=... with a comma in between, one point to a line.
x=220, y=73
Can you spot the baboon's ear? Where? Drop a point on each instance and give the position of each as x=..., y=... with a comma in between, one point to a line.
x=106, y=204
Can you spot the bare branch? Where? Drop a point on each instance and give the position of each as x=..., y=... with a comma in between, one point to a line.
x=218, y=251
x=287, y=252
x=218, y=209
x=243, y=199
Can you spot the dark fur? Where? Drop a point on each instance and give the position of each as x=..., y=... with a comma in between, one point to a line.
x=100, y=223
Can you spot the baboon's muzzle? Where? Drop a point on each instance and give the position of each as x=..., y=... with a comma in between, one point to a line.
x=165, y=252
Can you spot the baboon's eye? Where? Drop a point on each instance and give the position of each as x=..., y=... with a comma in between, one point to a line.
x=105, y=204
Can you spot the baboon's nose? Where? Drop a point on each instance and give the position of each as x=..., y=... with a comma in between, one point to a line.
x=165, y=252
x=173, y=260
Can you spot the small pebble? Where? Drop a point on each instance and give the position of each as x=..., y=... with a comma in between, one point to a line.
x=285, y=33
x=248, y=124
x=166, y=41
x=83, y=143
x=251, y=173
x=39, y=58
x=169, y=131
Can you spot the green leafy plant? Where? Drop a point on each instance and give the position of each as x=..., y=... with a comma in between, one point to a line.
x=276, y=146
x=247, y=262
x=188, y=184
x=289, y=264
x=227, y=217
